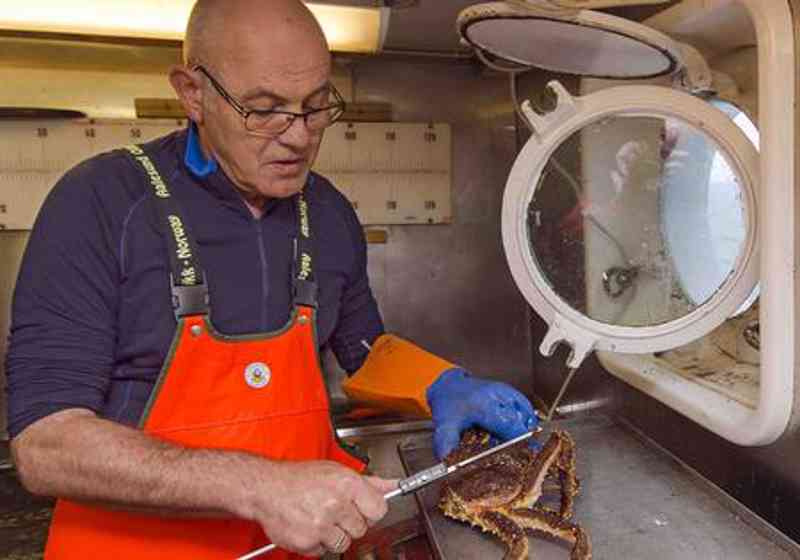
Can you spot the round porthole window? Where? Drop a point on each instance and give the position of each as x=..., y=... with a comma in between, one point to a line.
x=637, y=220
x=630, y=219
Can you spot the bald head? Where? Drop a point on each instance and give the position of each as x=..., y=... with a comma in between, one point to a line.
x=219, y=27
x=257, y=56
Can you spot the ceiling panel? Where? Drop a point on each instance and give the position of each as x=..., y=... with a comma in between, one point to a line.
x=428, y=26
x=415, y=25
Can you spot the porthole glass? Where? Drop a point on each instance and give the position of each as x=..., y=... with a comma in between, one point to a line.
x=708, y=205
x=629, y=212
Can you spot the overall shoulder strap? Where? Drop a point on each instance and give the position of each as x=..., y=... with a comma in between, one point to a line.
x=304, y=284
x=187, y=278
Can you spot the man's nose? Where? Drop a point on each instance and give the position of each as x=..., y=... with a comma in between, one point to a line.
x=297, y=135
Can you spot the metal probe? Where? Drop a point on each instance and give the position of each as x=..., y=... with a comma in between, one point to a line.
x=552, y=409
x=420, y=480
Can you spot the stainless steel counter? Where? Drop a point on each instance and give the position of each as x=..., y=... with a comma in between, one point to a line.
x=636, y=501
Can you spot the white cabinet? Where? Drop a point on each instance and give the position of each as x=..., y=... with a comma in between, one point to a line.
x=21, y=195
x=393, y=173
x=35, y=154
x=21, y=146
x=65, y=145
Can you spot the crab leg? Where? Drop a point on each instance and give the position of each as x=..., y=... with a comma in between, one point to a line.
x=538, y=523
x=534, y=476
x=509, y=531
x=567, y=476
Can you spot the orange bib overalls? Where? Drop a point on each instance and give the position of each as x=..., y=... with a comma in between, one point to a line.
x=262, y=393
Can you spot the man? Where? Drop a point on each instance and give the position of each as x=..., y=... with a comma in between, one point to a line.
x=197, y=441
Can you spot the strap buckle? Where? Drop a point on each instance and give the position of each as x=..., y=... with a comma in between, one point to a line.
x=305, y=293
x=189, y=300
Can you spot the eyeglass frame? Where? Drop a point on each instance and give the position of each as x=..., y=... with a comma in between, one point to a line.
x=245, y=112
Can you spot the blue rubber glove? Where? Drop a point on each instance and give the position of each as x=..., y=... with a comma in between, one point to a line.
x=459, y=401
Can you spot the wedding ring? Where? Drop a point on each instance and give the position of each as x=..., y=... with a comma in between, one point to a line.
x=341, y=544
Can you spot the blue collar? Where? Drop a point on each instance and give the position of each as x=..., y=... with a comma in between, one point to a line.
x=194, y=158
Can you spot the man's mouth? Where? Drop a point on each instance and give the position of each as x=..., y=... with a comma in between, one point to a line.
x=289, y=166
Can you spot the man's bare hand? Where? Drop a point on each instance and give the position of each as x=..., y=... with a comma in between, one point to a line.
x=304, y=507
x=313, y=507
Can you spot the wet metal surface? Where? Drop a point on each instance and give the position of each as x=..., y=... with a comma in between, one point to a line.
x=635, y=501
x=765, y=479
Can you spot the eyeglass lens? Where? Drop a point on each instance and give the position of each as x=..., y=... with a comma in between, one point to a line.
x=276, y=123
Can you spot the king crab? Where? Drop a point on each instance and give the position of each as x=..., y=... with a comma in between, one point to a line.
x=500, y=493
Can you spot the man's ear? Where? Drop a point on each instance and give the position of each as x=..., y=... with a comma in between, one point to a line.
x=188, y=86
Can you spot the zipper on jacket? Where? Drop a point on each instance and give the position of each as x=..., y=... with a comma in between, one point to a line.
x=264, y=277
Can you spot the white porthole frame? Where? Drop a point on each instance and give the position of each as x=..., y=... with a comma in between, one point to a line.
x=582, y=18
x=568, y=325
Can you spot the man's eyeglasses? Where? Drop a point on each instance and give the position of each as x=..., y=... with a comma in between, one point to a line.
x=274, y=122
